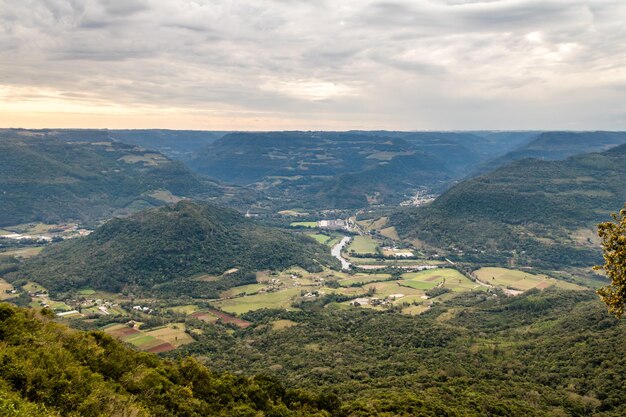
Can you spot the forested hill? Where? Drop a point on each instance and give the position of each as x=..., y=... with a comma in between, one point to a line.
x=560, y=145
x=347, y=169
x=48, y=179
x=537, y=208
x=47, y=370
x=160, y=247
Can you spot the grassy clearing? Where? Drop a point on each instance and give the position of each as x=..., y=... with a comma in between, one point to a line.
x=242, y=290
x=283, y=324
x=520, y=280
x=173, y=333
x=323, y=239
x=390, y=232
x=33, y=287
x=278, y=299
x=86, y=291
x=184, y=309
x=311, y=225
x=363, y=245
x=24, y=252
x=450, y=278
x=364, y=279
x=293, y=212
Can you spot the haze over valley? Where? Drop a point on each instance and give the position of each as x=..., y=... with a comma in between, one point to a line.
x=294, y=209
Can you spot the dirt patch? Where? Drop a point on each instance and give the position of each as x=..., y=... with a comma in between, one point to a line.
x=122, y=333
x=163, y=347
x=227, y=318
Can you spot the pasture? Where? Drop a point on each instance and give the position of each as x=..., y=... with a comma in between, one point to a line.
x=447, y=277
x=361, y=278
x=363, y=245
x=184, y=309
x=311, y=225
x=323, y=239
x=242, y=290
x=520, y=280
x=279, y=299
x=173, y=333
x=4, y=287
x=390, y=232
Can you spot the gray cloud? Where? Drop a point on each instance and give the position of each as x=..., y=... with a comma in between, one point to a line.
x=403, y=64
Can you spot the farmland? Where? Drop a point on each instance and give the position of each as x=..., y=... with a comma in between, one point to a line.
x=156, y=340
x=4, y=287
x=520, y=280
x=311, y=225
x=363, y=245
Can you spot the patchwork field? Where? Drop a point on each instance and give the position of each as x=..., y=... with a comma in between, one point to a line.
x=446, y=277
x=520, y=280
x=162, y=339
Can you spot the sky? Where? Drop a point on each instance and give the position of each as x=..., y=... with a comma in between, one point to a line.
x=313, y=64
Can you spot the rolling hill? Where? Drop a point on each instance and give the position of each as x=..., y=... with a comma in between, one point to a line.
x=560, y=145
x=47, y=179
x=540, y=211
x=346, y=169
x=163, y=249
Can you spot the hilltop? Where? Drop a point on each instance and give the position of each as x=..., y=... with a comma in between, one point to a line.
x=560, y=145
x=163, y=249
x=545, y=211
x=44, y=178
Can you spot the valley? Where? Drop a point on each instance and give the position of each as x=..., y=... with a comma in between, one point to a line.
x=335, y=278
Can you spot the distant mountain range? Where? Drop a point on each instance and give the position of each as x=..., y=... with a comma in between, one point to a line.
x=163, y=249
x=559, y=145
x=51, y=177
x=545, y=211
x=348, y=169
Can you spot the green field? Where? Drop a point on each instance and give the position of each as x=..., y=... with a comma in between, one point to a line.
x=243, y=289
x=86, y=291
x=323, y=239
x=363, y=278
x=449, y=278
x=278, y=299
x=304, y=224
x=520, y=280
x=184, y=309
x=173, y=333
x=363, y=245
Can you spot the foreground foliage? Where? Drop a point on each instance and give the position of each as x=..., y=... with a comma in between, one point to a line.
x=550, y=353
x=613, y=236
x=49, y=370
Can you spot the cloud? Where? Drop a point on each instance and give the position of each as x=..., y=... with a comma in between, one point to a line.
x=419, y=64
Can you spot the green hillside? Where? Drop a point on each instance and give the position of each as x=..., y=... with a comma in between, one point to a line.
x=536, y=208
x=156, y=249
x=47, y=179
x=560, y=145
x=343, y=169
x=48, y=370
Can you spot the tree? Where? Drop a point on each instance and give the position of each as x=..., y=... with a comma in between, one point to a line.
x=613, y=236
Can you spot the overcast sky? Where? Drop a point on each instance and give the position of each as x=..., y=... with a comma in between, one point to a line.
x=313, y=64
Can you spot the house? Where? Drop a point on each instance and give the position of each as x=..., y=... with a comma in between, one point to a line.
x=332, y=224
